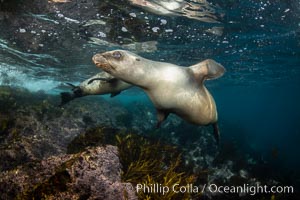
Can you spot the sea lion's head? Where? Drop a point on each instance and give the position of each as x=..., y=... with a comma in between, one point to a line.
x=120, y=63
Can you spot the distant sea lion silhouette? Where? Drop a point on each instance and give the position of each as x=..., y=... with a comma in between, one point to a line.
x=171, y=88
x=101, y=83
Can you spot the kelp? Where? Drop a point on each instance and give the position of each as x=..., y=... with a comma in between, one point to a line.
x=148, y=163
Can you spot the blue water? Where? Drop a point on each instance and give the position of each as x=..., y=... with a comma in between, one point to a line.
x=258, y=97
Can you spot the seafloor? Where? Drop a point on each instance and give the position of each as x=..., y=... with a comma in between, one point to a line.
x=85, y=150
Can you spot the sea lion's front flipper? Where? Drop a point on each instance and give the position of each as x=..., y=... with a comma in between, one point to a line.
x=161, y=116
x=216, y=132
x=109, y=80
x=114, y=94
x=207, y=69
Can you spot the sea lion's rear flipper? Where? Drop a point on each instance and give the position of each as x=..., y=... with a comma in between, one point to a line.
x=216, y=132
x=66, y=97
x=114, y=94
x=69, y=96
x=207, y=69
x=109, y=80
x=161, y=116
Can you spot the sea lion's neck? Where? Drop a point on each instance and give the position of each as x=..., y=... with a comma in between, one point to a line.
x=142, y=74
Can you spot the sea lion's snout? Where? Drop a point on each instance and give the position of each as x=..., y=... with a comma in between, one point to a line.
x=98, y=59
x=101, y=61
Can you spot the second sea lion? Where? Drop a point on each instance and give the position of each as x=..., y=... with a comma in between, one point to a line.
x=101, y=83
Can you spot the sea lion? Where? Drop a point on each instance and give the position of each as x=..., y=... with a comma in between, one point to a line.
x=101, y=83
x=171, y=88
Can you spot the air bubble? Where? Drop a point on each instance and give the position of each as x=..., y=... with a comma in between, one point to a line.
x=155, y=29
x=124, y=29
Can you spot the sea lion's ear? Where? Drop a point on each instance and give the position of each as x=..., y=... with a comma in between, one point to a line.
x=207, y=69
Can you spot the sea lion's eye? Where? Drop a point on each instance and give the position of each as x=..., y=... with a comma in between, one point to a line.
x=137, y=59
x=117, y=55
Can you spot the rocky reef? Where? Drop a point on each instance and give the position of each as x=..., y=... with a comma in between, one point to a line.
x=33, y=126
x=91, y=174
x=73, y=152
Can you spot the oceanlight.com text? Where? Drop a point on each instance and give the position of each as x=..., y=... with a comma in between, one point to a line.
x=250, y=189
x=214, y=188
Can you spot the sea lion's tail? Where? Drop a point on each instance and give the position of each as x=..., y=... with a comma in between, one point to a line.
x=216, y=132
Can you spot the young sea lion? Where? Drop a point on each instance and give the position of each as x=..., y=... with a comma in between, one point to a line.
x=171, y=88
x=101, y=83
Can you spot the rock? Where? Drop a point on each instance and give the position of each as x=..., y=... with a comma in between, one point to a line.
x=92, y=174
x=33, y=127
